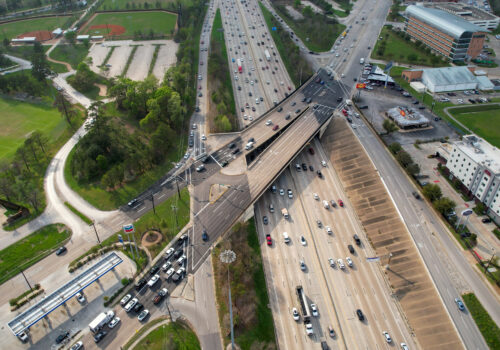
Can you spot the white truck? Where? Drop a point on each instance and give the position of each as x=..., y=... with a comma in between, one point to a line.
x=268, y=56
x=361, y=60
x=249, y=145
x=285, y=213
x=101, y=320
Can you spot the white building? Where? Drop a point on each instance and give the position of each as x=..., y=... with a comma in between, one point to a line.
x=449, y=79
x=470, y=13
x=476, y=163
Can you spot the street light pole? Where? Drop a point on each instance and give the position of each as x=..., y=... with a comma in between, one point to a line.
x=95, y=230
x=29, y=285
x=153, y=201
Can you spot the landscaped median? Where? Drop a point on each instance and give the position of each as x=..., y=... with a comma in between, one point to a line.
x=172, y=336
x=31, y=249
x=485, y=323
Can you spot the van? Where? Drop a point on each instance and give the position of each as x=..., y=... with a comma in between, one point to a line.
x=286, y=238
x=326, y=205
x=249, y=145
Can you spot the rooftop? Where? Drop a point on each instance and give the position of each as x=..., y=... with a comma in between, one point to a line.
x=449, y=75
x=465, y=11
x=480, y=151
x=444, y=21
x=407, y=116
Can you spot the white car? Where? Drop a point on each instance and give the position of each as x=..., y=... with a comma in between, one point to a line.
x=387, y=336
x=169, y=273
x=332, y=262
x=153, y=280
x=166, y=266
x=309, y=329
x=337, y=55
x=269, y=122
x=80, y=297
x=181, y=270
x=142, y=316
x=131, y=304
x=77, y=346
x=349, y=261
x=315, y=195
x=125, y=299
x=199, y=77
x=181, y=260
x=404, y=346
x=302, y=265
x=340, y=263
x=282, y=192
x=203, y=137
x=295, y=314
x=114, y=322
x=303, y=240
x=169, y=253
x=314, y=310
x=329, y=230
x=186, y=156
x=323, y=163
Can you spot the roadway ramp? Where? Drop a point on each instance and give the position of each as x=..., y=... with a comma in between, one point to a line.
x=407, y=274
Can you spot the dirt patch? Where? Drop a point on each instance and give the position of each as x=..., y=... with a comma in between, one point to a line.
x=103, y=89
x=386, y=232
x=109, y=29
x=40, y=35
x=151, y=238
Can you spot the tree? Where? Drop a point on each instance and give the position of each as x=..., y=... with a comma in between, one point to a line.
x=6, y=42
x=40, y=67
x=444, y=205
x=389, y=126
x=66, y=109
x=404, y=158
x=70, y=36
x=432, y=192
x=84, y=78
x=307, y=11
x=296, y=4
x=413, y=169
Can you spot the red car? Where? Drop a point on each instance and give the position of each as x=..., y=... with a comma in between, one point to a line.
x=269, y=240
x=344, y=112
x=311, y=150
x=340, y=202
x=289, y=88
x=275, y=127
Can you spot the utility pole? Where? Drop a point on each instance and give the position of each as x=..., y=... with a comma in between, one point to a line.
x=174, y=209
x=95, y=230
x=22, y=273
x=178, y=191
x=153, y=201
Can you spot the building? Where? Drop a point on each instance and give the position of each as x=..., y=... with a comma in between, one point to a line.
x=476, y=163
x=407, y=117
x=57, y=32
x=82, y=37
x=471, y=14
x=445, y=78
x=446, y=34
x=374, y=73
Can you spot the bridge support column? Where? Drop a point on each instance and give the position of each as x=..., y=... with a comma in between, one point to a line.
x=325, y=126
x=248, y=214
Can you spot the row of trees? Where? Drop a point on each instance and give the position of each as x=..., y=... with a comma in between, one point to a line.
x=404, y=158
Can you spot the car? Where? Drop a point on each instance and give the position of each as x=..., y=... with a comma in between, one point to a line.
x=460, y=304
x=349, y=261
x=269, y=122
x=98, y=337
x=80, y=297
x=178, y=253
x=138, y=307
x=61, y=250
x=361, y=317
x=153, y=280
x=341, y=264
x=204, y=235
x=303, y=240
x=486, y=220
x=387, y=337
x=416, y=195
x=351, y=249
x=169, y=253
x=276, y=127
x=318, y=222
x=131, y=304
x=61, y=337
x=331, y=262
x=356, y=239
x=125, y=299
x=154, y=270
x=302, y=265
x=290, y=193
x=304, y=166
x=404, y=346
x=271, y=208
x=169, y=273
x=341, y=203
x=295, y=314
x=309, y=329
x=269, y=240
x=133, y=203
x=141, y=283
x=166, y=266
x=329, y=230
x=320, y=175
x=265, y=220
x=315, y=196
x=331, y=332
x=323, y=163
x=142, y=316
x=282, y=192
x=76, y=346
x=314, y=310
x=181, y=260
x=311, y=168
x=114, y=322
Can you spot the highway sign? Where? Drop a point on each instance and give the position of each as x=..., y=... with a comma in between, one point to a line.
x=360, y=86
x=128, y=228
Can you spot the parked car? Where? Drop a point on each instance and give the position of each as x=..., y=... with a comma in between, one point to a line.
x=125, y=299
x=98, y=337
x=61, y=337
x=142, y=316
x=61, y=250
x=114, y=322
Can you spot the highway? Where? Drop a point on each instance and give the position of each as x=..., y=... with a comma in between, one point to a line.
x=337, y=292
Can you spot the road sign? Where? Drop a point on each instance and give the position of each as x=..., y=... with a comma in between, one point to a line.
x=360, y=86
x=274, y=28
x=120, y=238
x=128, y=228
x=374, y=259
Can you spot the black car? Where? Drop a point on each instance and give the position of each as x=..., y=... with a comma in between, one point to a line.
x=486, y=220
x=138, y=307
x=141, y=283
x=265, y=220
x=280, y=109
x=178, y=253
x=224, y=163
x=204, y=235
x=297, y=111
x=235, y=151
x=319, y=174
x=60, y=338
x=251, y=139
x=242, y=109
x=356, y=239
x=311, y=168
x=471, y=100
x=287, y=116
x=61, y=250
x=154, y=270
x=351, y=249
x=416, y=102
x=304, y=166
x=361, y=317
x=232, y=145
x=339, y=99
x=98, y=337
x=363, y=107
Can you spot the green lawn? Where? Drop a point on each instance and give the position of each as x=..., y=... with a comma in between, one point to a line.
x=13, y=29
x=19, y=119
x=486, y=325
x=483, y=120
x=172, y=336
x=158, y=22
x=72, y=54
x=137, y=4
x=31, y=249
x=394, y=48
x=23, y=51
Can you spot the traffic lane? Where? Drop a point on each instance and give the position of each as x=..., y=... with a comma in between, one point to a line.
x=413, y=216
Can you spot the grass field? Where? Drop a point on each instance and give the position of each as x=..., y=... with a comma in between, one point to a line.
x=19, y=119
x=31, y=249
x=13, y=29
x=158, y=22
x=133, y=4
x=394, y=48
x=72, y=54
x=170, y=336
x=483, y=120
x=486, y=325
